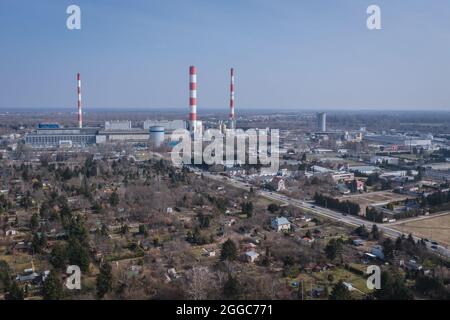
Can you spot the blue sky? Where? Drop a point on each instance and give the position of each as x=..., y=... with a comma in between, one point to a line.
x=292, y=54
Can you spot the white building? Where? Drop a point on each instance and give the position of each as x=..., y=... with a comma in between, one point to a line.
x=281, y=224
x=118, y=125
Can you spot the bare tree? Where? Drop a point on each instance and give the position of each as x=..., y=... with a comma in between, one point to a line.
x=199, y=281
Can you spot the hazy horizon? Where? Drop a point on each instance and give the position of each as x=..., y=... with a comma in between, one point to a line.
x=316, y=55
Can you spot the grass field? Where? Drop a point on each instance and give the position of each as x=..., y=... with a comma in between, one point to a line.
x=437, y=229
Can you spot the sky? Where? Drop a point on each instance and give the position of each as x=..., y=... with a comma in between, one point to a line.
x=287, y=54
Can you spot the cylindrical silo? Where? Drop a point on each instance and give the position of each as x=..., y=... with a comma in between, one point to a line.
x=157, y=136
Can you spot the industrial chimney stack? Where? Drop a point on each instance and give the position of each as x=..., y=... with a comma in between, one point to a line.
x=80, y=112
x=232, y=119
x=193, y=99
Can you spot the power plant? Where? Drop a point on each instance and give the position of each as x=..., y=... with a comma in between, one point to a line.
x=52, y=135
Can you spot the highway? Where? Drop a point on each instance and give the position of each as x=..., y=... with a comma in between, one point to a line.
x=350, y=220
x=353, y=221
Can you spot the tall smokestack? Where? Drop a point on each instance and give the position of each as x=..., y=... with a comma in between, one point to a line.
x=193, y=98
x=232, y=119
x=80, y=112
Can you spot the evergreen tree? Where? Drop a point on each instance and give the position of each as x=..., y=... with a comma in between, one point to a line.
x=333, y=249
x=392, y=288
x=78, y=254
x=231, y=288
x=14, y=292
x=104, y=280
x=114, y=199
x=5, y=274
x=272, y=208
x=34, y=221
x=58, y=256
x=340, y=292
x=143, y=230
x=375, y=232
x=388, y=249
x=52, y=288
x=39, y=242
x=229, y=251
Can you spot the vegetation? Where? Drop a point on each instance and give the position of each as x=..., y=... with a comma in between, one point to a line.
x=229, y=251
x=340, y=292
x=104, y=280
x=332, y=203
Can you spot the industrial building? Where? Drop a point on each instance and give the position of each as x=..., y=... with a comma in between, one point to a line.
x=48, y=137
x=117, y=125
x=399, y=140
x=322, y=122
x=169, y=125
x=132, y=135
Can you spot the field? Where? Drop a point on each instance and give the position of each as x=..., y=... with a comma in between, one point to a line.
x=437, y=228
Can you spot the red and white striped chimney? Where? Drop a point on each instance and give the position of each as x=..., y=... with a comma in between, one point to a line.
x=193, y=98
x=232, y=99
x=80, y=112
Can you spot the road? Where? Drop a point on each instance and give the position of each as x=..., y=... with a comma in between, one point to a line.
x=353, y=221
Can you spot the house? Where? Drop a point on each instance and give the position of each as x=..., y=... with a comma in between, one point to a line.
x=369, y=256
x=342, y=188
x=349, y=286
x=22, y=246
x=277, y=184
x=305, y=219
x=251, y=256
x=30, y=276
x=173, y=273
x=359, y=185
x=209, y=252
x=229, y=222
x=357, y=242
x=10, y=232
x=134, y=271
x=412, y=265
x=307, y=240
x=377, y=251
x=281, y=224
x=27, y=277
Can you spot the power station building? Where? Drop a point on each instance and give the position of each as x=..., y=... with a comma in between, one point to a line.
x=51, y=135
